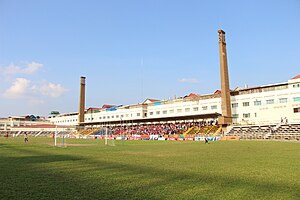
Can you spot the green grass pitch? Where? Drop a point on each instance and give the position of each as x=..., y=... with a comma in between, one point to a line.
x=87, y=169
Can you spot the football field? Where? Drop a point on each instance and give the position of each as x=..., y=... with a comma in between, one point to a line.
x=87, y=169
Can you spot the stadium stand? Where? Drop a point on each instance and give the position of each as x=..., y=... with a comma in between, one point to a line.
x=87, y=132
x=268, y=132
x=166, y=130
x=287, y=132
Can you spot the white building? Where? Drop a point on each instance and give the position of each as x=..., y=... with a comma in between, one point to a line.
x=267, y=104
x=7, y=124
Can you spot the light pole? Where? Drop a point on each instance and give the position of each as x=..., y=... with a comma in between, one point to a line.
x=122, y=135
x=55, y=135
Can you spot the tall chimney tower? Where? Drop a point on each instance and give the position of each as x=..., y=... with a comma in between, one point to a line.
x=81, y=100
x=226, y=117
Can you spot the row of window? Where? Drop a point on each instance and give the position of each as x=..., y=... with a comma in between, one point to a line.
x=195, y=109
x=179, y=110
x=164, y=112
x=266, y=89
x=296, y=85
x=118, y=116
x=245, y=115
x=297, y=110
x=269, y=101
x=67, y=120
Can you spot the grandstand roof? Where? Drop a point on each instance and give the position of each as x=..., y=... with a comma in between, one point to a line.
x=18, y=117
x=38, y=126
x=41, y=126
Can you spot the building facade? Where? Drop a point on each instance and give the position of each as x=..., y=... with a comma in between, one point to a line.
x=267, y=104
x=9, y=123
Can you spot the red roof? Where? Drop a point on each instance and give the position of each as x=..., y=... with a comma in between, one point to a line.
x=94, y=108
x=153, y=100
x=296, y=77
x=107, y=106
x=217, y=92
x=191, y=95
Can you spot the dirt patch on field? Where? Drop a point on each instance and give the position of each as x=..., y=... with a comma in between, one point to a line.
x=80, y=145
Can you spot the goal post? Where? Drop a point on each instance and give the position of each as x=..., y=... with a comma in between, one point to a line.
x=60, y=139
x=108, y=140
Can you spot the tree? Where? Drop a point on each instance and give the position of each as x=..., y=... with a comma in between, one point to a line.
x=54, y=113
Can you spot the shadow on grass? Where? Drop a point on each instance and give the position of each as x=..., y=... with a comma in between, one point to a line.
x=47, y=176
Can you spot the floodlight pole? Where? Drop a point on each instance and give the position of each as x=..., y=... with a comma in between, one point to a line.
x=105, y=135
x=55, y=135
x=122, y=135
x=63, y=140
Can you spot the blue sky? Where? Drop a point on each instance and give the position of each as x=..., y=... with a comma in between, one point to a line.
x=137, y=49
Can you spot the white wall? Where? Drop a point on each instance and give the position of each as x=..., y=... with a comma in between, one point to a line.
x=259, y=114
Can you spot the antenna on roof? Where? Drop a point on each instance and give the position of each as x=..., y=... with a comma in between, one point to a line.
x=220, y=26
x=142, y=79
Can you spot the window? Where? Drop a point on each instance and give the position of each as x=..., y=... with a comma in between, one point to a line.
x=112, y=116
x=179, y=110
x=204, y=107
x=296, y=85
x=195, y=109
x=138, y=114
x=157, y=112
x=283, y=100
x=187, y=109
x=246, y=115
x=117, y=116
x=122, y=116
x=164, y=112
x=245, y=104
x=171, y=111
x=297, y=110
x=235, y=115
x=100, y=117
x=234, y=105
x=270, y=101
x=151, y=113
x=104, y=117
x=296, y=98
x=214, y=107
x=257, y=103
